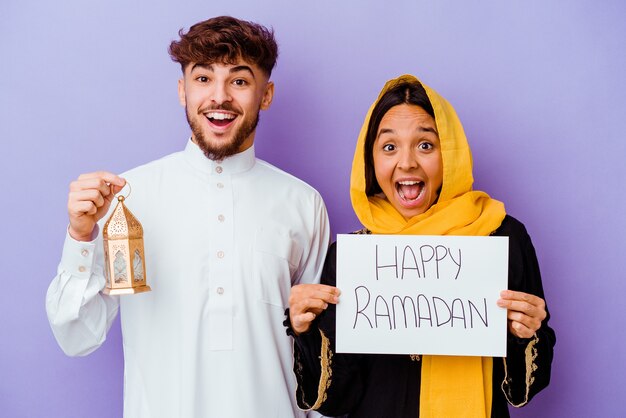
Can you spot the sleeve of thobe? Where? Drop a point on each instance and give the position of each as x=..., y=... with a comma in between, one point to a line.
x=314, y=252
x=79, y=314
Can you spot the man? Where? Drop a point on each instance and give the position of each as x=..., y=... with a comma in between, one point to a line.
x=226, y=236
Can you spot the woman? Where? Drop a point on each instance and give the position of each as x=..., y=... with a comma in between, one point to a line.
x=411, y=174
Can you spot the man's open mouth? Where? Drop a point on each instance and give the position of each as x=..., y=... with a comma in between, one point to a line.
x=220, y=119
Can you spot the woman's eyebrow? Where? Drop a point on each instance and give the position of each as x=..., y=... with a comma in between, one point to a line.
x=419, y=129
x=427, y=129
x=385, y=131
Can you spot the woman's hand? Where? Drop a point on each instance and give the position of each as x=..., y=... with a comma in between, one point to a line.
x=307, y=301
x=524, y=312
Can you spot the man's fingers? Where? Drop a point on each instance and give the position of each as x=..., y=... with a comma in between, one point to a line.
x=108, y=184
x=116, y=189
x=87, y=195
x=105, y=188
x=89, y=199
x=82, y=208
x=86, y=183
x=106, y=176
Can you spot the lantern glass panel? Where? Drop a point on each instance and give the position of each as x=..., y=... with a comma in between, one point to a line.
x=137, y=266
x=120, y=267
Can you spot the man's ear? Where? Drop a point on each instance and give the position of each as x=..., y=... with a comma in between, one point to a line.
x=181, y=92
x=268, y=96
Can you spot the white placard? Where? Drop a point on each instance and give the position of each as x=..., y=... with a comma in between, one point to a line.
x=418, y=294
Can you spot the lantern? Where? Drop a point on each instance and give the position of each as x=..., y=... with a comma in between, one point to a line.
x=125, y=266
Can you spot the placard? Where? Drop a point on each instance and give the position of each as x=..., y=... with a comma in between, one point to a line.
x=419, y=294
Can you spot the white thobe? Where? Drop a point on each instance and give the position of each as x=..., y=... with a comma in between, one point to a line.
x=224, y=243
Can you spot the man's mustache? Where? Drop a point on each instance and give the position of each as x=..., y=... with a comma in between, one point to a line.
x=224, y=106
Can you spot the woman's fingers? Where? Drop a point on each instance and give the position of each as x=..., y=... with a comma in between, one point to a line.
x=524, y=320
x=328, y=294
x=306, y=301
x=302, y=321
x=525, y=312
x=310, y=305
x=520, y=330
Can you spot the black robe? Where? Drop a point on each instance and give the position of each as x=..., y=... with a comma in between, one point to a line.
x=379, y=385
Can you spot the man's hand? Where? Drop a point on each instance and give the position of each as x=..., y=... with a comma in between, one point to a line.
x=307, y=301
x=89, y=200
x=524, y=312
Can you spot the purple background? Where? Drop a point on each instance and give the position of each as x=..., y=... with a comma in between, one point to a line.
x=539, y=87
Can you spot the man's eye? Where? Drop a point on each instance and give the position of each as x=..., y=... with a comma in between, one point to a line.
x=389, y=147
x=240, y=82
x=202, y=79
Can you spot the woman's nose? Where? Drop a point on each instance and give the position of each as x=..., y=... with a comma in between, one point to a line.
x=407, y=160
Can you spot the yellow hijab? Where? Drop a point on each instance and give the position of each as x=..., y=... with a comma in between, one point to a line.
x=450, y=386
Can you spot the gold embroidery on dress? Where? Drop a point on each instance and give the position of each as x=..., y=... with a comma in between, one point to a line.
x=325, y=378
x=531, y=367
x=326, y=359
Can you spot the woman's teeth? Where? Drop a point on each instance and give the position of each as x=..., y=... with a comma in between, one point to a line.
x=410, y=190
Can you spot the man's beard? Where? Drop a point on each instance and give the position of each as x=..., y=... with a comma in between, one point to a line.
x=226, y=149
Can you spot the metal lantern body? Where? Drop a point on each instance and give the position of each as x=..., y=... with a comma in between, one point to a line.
x=125, y=266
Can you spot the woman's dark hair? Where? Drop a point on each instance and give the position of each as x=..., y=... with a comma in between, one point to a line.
x=405, y=92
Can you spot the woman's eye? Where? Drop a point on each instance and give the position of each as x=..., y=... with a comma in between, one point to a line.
x=426, y=146
x=388, y=147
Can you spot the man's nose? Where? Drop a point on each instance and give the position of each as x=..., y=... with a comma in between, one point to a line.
x=220, y=94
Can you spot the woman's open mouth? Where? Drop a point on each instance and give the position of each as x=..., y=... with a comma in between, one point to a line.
x=410, y=191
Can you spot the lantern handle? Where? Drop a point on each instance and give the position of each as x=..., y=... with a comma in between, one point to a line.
x=121, y=198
